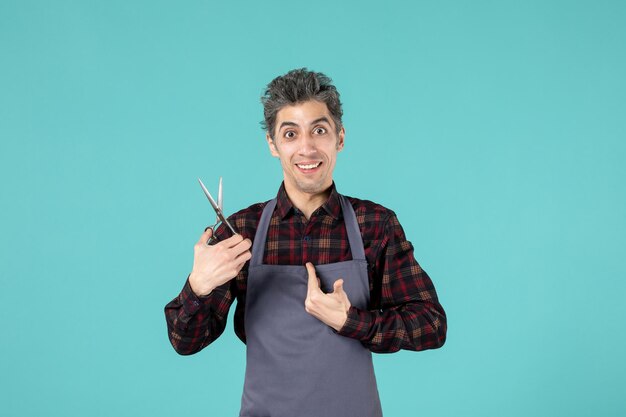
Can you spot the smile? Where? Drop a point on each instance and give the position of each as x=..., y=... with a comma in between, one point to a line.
x=308, y=166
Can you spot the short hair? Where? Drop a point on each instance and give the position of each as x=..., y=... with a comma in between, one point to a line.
x=298, y=86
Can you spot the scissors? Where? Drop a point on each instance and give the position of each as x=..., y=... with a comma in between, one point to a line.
x=218, y=209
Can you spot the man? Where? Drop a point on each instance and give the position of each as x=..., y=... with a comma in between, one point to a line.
x=330, y=278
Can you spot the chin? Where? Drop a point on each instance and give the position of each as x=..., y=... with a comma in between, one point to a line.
x=311, y=188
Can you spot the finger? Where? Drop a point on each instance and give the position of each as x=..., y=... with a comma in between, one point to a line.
x=243, y=257
x=240, y=266
x=338, y=286
x=232, y=241
x=208, y=232
x=313, y=281
x=242, y=246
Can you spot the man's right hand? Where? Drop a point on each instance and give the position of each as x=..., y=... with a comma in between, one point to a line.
x=213, y=265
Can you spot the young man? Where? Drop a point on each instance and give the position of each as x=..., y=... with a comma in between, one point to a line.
x=330, y=278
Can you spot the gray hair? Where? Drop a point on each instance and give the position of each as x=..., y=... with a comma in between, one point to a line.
x=298, y=86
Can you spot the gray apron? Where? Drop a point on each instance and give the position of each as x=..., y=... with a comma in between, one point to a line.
x=297, y=366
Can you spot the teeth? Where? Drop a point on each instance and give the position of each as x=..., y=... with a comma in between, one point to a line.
x=310, y=166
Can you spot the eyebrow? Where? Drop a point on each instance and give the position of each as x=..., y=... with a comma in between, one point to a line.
x=316, y=121
x=321, y=119
x=287, y=124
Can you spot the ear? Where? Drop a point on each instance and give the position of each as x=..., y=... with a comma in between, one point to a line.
x=272, y=145
x=342, y=134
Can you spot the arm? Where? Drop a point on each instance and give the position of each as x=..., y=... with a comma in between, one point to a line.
x=195, y=322
x=198, y=315
x=410, y=316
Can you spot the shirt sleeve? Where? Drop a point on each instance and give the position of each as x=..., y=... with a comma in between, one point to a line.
x=410, y=316
x=195, y=322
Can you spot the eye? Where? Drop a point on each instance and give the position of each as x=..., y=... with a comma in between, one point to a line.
x=319, y=130
x=290, y=134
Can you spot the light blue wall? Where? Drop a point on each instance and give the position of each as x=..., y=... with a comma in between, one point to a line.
x=495, y=130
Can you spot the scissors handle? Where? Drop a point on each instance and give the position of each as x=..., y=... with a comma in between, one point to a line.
x=212, y=239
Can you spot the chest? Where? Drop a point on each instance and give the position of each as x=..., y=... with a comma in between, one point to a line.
x=296, y=240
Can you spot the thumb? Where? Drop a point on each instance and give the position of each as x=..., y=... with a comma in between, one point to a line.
x=208, y=232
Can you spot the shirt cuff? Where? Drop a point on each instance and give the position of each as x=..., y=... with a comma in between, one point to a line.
x=357, y=325
x=192, y=303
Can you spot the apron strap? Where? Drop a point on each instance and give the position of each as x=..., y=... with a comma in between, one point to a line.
x=352, y=227
x=258, y=246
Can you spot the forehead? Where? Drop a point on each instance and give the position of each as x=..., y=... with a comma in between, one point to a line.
x=303, y=113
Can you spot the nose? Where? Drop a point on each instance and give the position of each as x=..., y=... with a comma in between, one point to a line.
x=308, y=145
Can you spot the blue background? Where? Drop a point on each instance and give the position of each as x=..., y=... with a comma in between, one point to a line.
x=494, y=129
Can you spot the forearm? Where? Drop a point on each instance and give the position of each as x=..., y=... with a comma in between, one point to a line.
x=411, y=326
x=405, y=312
x=193, y=322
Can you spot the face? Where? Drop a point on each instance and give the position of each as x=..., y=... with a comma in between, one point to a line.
x=307, y=143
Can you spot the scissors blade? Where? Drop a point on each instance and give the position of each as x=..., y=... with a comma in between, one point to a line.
x=209, y=196
x=220, y=202
x=216, y=207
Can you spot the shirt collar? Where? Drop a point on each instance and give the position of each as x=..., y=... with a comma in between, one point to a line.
x=284, y=207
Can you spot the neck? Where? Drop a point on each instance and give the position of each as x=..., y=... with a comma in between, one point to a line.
x=307, y=203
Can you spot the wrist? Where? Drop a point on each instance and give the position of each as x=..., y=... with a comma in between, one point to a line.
x=200, y=287
x=341, y=322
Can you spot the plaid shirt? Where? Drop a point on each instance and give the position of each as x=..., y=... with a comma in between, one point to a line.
x=404, y=312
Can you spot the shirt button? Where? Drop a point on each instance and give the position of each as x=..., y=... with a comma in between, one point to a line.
x=307, y=238
x=196, y=303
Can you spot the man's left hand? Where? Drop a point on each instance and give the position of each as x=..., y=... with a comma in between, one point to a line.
x=331, y=308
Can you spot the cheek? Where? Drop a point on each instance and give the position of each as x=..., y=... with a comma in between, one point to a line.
x=286, y=150
x=284, y=158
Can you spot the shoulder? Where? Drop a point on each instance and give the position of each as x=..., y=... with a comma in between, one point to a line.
x=246, y=220
x=376, y=221
x=379, y=225
x=368, y=211
x=253, y=210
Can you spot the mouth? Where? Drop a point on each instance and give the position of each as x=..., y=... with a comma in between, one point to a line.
x=308, y=166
